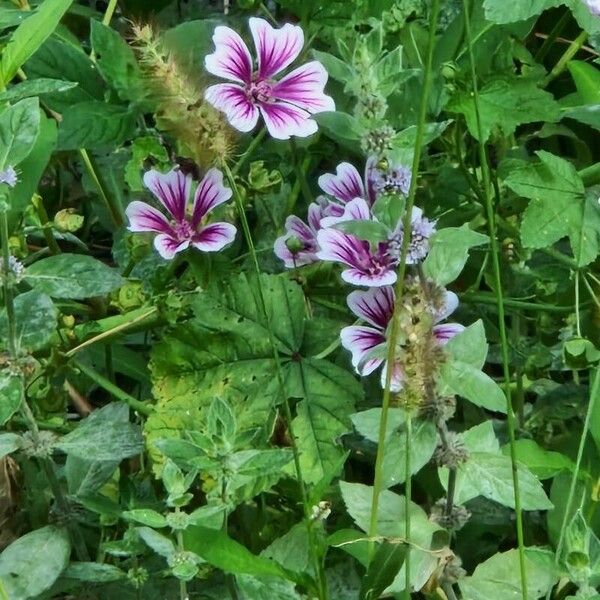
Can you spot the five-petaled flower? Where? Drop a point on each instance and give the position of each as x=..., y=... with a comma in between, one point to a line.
x=285, y=104
x=182, y=228
x=368, y=344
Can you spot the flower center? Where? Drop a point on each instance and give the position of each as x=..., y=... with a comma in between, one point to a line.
x=259, y=91
x=183, y=230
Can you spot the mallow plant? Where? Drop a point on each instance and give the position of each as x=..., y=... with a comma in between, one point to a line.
x=300, y=300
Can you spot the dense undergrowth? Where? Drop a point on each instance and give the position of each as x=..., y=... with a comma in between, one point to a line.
x=301, y=299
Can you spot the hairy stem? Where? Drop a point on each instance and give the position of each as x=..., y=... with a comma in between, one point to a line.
x=378, y=480
x=569, y=53
x=491, y=216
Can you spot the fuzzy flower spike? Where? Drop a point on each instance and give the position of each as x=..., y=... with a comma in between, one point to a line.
x=182, y=228
x=285, y=104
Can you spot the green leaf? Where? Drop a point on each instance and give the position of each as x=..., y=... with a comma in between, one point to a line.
x=469, y=346
x=367, y=422
x=340, y=126
x=259, y=588
x=388, y=209
x=30, y=35
x=34, y=165
x=390, y=523
x=145, y=516
x=542, y=463
x=159, y=543
x=32, y=563
x=19, y=128
x=291, y=550
x=323, y=415
x=36, y=319
x=117, y=62
x=74, y=276
x=490, y=475
x=35, y=87
x=9, y=442
x=58, y=59
x=505, y=104
x=510, y=11
x=590, y=115
x=143, y=148
x=370, y=231
x=384, y=567
x=86, y=476
x=449, y=252
x=104, y=435
x=465, y=380
x=580, y=554
x=93, y=572
x=499, y=576
x=558, y=207
x=11, y=392
x=221, y=551
x=587, y=81
x=337, y=69
x=95, y=124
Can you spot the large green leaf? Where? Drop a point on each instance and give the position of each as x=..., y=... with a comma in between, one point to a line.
x=449, y=252
x=11, y=394
x=35, y=87
x=95, y=124
x=36, y=318
x=73, y=276
x=30, y=35
x=558, y=206
x=499, y=576
x=106, y=435
x=31, y=564
x=19, y=128
x=505, y=104
x=587, y=81
x=509, y=11
x=384, y=567
x=224, y=351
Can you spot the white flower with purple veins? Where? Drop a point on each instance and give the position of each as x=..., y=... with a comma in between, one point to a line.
x=9, y=176
x=181, y=228
x=368, y=344
x=372, y=265
x=285, y=104
x=303, y=236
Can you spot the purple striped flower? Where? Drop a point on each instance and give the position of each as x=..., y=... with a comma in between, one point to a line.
x=285, y=104
x=593, y=6
x=371, y=265
x=298, y=246
x=182, y=228
x=368, y=343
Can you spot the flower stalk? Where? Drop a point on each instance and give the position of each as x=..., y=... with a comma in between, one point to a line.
x=378, y=481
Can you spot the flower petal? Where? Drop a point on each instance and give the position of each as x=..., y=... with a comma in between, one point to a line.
x=345, y=185
x=276, y=48
x=291, y=260
x=172, y=189
x=396, y=382
x=297, y=227
x=338, y=246
x=168, y=246
x=376, y=306
x=284, y=120
x=444, y=333
x=304, y=86
x=450, y=305
x=210, y=193
x=214, y=237
x=355, y=210
x=231, y=99
x=360, y=341
x=143, y=217
x=231, y=58
x=315, y=214
x=360, y=277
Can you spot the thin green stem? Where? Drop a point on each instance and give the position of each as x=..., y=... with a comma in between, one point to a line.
x=183, y=594
x=485, y=298
x=7, y=285
x=408, y=496
x=582, y=440
x=322, y=583
x=110, y=10
x=111, y=388
x=114, y=210
x=46, y=226
x=249, y=150
x=591, y=291
x=577, y=314
x=399, y=291
x=300, y=173
x=552, y=36
x=490, y=213
x=570, y=52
